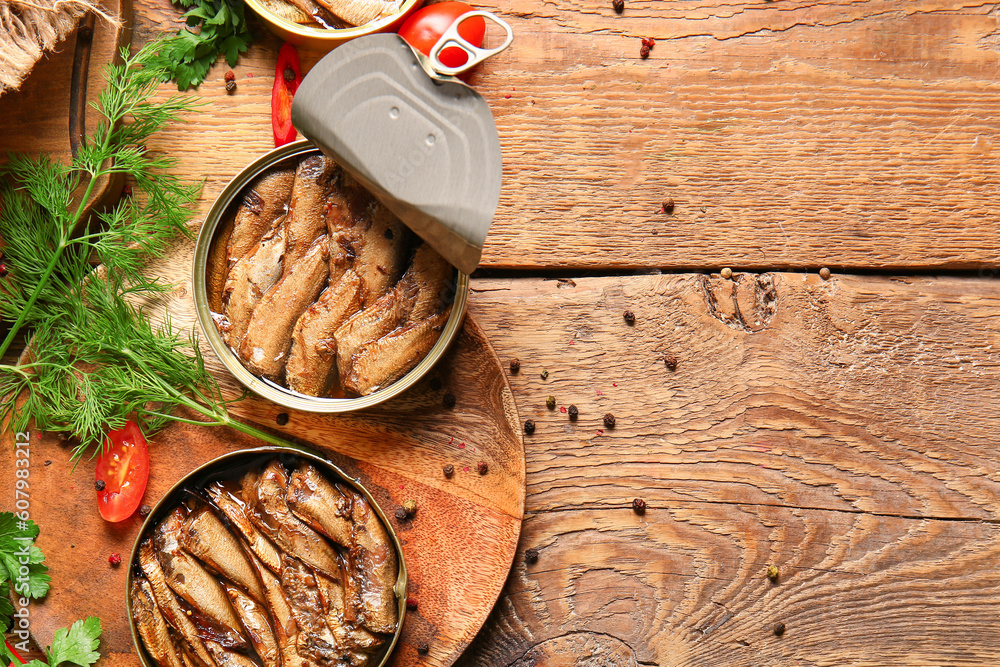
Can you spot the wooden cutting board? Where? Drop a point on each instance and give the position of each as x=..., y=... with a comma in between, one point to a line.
x=458, y=548
x=52, y=109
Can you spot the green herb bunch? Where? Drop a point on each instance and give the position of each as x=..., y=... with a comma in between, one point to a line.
x=75, y=645
x=94, y=358
x=222, y=29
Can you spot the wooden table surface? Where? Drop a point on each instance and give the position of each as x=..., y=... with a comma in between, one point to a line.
x=844, y=430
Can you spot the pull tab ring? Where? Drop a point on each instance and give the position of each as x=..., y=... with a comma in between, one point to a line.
x=451, y=37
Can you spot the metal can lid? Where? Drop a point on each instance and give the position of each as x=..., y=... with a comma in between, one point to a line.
x=426, y=146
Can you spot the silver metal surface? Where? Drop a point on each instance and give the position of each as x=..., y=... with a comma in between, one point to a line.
x=452, y=38
x=426, y=147
x=280, y=395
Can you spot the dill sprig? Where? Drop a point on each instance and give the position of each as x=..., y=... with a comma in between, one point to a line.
x=94, y=358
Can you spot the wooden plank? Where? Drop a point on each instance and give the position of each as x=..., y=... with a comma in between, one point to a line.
x=789, y=133
x=843, y=430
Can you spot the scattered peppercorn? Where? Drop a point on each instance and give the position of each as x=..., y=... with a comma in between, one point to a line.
x=4, y=270
x=387, y=234
x=772, y=572
x=449, y=470
x=727, y=273
x=573, y=412
x=667, y=206
x=289, y=74
x=423, y=649
x=824, y=273
x=435, y=384
x=230, y=75
x=48, y=462
x=482, y=468
x=411, y=604
x=411, y=507
x=544, y=375
x=644, y=52
x=127, y=190
x=629, y=317
x=639, y=506
x=670, y=361
x=648, y=41
x=609, y=420
x=230, y=86
x=144, y=510
x=449, y=400
x=550, y=402
x=115, y=559
x=99, y=485
x=531, y=556
x=400, y=514
x=529, y=426
x=779, y=629
x=281, y=418
x=619, y=6
x=515, y=365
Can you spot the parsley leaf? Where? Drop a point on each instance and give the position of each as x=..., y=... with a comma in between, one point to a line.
x=17, y=549
x=222, y=30
x=77, y=645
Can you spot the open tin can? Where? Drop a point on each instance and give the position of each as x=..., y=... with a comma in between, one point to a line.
x=228, y=466
x=422, y=143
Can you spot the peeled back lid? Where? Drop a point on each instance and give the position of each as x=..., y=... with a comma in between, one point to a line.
x=426, y=147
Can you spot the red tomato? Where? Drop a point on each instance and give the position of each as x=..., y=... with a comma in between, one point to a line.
x=124, y=469
x=426, y=25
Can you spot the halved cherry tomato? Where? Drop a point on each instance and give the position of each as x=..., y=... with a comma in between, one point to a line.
x=124, y=469
x=426, y=25
x=287, y=76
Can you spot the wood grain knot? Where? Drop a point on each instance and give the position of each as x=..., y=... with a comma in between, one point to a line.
x=745, y=302
x=582, y=649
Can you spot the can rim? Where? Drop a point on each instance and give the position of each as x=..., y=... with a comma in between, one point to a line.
x=332, y=34
x=289, y=448
x=282, y=396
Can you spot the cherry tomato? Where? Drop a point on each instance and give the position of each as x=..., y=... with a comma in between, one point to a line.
x=124, y=469
x=426, y=25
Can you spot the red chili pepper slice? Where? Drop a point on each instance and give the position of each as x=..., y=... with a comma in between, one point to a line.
x=283, y=92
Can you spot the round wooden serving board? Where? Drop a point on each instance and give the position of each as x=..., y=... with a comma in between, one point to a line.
x=458, y=548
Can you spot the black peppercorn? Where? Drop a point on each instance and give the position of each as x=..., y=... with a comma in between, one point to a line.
x=779, y=629
x=619, y=6
x=435, y=384
x=639, y=506
x=482, y=468
x=99, y=485
x=281, y=418
x=400, y=514
x=449, y=400
x=531, y=556
x=449, y=470
x=667, y=206
x=609, y=420
x=629, y=317
x=423, y=649
x=230, y=86
x=388, y=234
x=529, y=426
x=573, y=412
x=670, y=361
x=515, y=365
